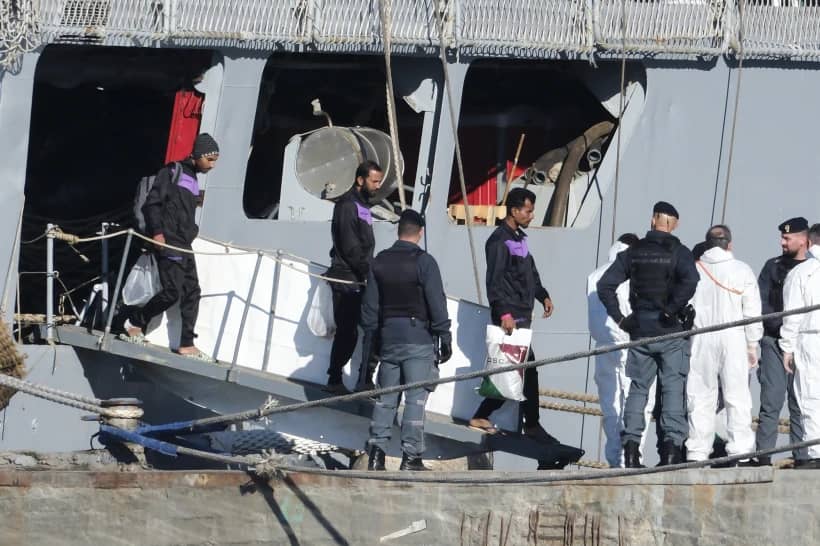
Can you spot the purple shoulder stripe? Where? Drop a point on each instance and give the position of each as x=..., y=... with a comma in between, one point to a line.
x=518, y=248
x=364, y=214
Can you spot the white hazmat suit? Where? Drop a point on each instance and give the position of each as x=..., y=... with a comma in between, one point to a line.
x=610, y=368
x=727, y=291
x=800, y=336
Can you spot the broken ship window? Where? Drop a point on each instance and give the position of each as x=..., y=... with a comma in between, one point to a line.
x=525, y=122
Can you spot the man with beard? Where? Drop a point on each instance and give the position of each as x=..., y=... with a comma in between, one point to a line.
x=513, y=284
x=775, y=382
x=352, y=252
x=170, y=211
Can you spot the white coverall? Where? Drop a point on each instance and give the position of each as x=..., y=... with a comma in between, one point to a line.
x=610, y=368
x=800, y=335
x=727, y=291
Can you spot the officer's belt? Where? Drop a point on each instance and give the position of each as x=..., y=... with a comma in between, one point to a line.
x=409, y=321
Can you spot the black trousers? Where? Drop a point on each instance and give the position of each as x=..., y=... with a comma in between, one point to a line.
x=347, y=304
x=179, y=283
x=529, y=407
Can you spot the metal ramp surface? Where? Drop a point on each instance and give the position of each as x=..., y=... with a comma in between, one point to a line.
x=301, y=391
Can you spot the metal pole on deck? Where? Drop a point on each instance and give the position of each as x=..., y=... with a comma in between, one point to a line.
x=245, y=311
x=277, y=268
x=50, y=283
x=113, y=306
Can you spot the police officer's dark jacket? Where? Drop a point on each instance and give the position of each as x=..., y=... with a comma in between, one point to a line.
x=405, y=283
x=662, y=276
x=353, y=241
x=170, y=207
x=770, y=281
x=513, y=283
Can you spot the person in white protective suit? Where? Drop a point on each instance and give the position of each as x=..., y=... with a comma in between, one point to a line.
x=800, y=341
x=727, y=291
x=610, y=368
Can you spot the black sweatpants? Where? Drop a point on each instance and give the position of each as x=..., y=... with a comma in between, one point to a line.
x=529, y=407
x=347, y=305
x=179, y=283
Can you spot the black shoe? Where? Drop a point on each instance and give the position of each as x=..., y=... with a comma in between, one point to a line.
x=765, y=460
x=538, y=434
x=369, y=386
x=807, y=464
x=336, y=389
x=671, y=454
x=632, y=455
x=412, y=463
x=375, y=460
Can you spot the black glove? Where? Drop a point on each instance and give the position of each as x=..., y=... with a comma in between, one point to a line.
x=629, y=323
x=444, y=352
x=686, y=317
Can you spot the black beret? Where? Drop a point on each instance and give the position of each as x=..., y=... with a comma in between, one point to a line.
x=794, y=225
x=409, y=216
x=662, y=207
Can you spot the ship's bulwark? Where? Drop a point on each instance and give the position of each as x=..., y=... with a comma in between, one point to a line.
x=732, y=506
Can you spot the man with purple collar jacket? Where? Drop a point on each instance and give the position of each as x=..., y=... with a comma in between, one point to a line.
x=513, y=284
x=169, y=211
x=352, y=252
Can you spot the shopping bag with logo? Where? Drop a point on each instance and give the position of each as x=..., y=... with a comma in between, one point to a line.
x=504, y=350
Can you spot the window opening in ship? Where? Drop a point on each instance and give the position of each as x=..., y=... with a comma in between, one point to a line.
x=545, y=109
x=292, y=167
x=102, y=118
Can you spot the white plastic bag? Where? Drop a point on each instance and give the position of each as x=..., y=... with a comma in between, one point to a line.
x=504, y=350
x=143, y=282
x=320, y=316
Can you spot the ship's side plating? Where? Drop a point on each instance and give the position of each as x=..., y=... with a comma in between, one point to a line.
x=687, y=136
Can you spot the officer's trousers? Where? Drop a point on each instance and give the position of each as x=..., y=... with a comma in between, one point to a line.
x=402, y=364
x=668, y=361
x=180, y=282
x=613, y=390
x=775, y=383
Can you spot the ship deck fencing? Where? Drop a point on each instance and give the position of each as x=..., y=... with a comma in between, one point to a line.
x=515, y=28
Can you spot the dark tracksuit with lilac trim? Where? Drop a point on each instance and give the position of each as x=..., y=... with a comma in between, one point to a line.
x=352, y=252
x=169, y=209
x=513, y=285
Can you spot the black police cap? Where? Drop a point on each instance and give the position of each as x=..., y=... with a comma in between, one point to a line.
x=662, y=207
x=794, y=225
x=409, y=216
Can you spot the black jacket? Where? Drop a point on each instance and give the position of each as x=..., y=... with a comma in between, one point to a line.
x=770, y=281
x=432, y=288
x=170, y=208
x=513, y=283
x=353, y=241
x=682, y=284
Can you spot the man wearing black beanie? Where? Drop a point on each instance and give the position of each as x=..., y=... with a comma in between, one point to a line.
x=169, y=212
x=663, y=279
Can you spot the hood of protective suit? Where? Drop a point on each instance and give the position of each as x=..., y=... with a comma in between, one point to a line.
x=716, y=255
x=814, y=250
x=616, y=249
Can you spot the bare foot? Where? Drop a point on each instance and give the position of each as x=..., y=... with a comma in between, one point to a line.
x=189, y=350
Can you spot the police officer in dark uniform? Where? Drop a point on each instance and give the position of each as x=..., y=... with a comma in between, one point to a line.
x=405, y=301
x=663, y=279
x=353, y=243
x=774, y=381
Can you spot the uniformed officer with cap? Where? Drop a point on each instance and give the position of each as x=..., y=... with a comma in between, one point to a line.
x=405, y=302
x=663, y=279
x=774, y=381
